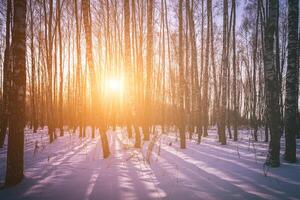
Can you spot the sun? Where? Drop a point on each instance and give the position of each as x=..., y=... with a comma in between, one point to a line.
x=114, y=85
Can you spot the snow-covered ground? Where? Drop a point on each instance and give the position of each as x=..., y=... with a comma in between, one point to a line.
x=71, y=168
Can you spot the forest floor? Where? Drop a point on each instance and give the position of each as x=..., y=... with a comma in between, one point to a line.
x=71, y=168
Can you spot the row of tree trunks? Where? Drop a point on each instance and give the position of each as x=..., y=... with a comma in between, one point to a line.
x=189, y=88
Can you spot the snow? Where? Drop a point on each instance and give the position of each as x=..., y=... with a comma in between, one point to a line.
x=73, y=168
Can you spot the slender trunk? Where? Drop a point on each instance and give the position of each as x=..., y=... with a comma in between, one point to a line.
x=88, y=37
x=33, y=77
x=79, y=113
x=49, y=45
x=181, y=80
x=206, y=72
x=235, y=108
x=254, y=118
x=222, y=114
x=6, y=76
x=271, y=86
x=15, y=153
x=196, y=93
x=61, y=71
x=292, y=83
x=128, y=67
x=149, y=64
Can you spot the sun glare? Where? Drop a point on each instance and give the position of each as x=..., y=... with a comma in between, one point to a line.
x=114, y=85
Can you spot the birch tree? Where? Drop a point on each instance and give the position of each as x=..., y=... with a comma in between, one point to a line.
x=292, y=82
x=15, y=151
